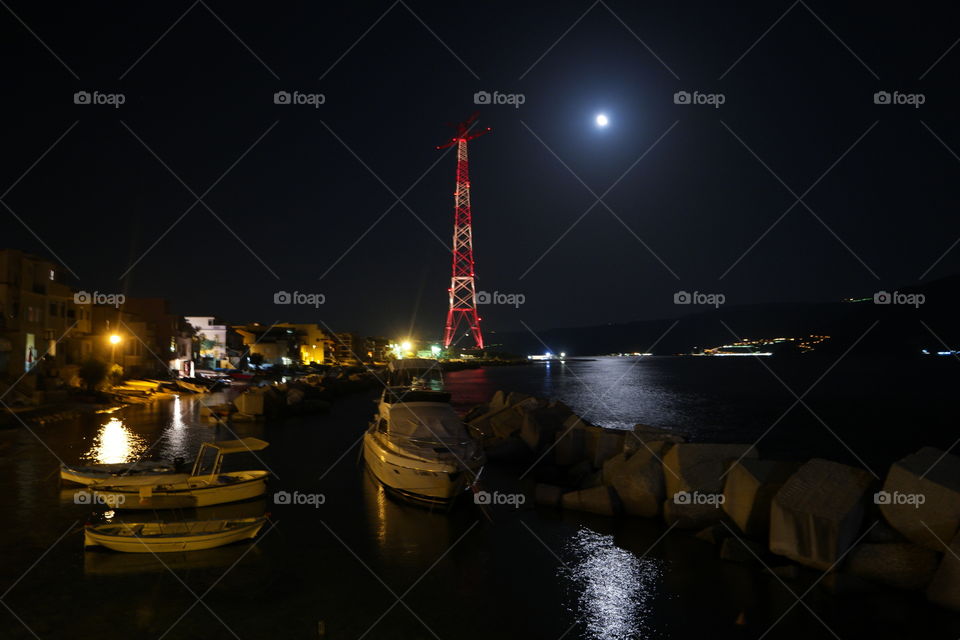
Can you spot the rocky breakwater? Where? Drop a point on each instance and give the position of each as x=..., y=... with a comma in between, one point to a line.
x=857, y=531
x=310, y=394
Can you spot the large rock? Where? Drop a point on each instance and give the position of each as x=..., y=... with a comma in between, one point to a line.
x=612, y=467
x=507, y=422
x=609, y=444
x=932, y=478
x=497, y=424
x=945, y=587
x=599, y=500
x=548, y=494
x=539, y=429
x=498, y=402
x=570, y=447
x=749, y=490
x=638, y=480
x=743, y=551
x=641, y=433
x=560, y=409
x=691, y=515
x=515, y=398
x=898, y=565
x=817, y=514
x=701, y=467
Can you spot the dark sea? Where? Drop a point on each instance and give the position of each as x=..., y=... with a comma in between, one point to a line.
x=362, y=565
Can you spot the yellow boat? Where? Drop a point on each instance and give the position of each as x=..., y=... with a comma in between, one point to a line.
x=165, y=537
x=201, y=489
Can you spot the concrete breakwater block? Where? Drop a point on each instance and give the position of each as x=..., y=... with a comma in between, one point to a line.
x=898, y=565
x=498, y=401
x=540, y=427
x=743, y=551
x=600, y=500
x=749, y=490
x=548, y=495
x=691, y=515
x=921, y=497
x=507, y=422
x=817, y=514
x=498, y=424
x=609, y=443
x=700, y=467
x=944, y=589
x=641, y=434
x=572, y=441
x=638, y=480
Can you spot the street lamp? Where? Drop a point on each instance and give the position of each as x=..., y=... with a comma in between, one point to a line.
x=114, y=341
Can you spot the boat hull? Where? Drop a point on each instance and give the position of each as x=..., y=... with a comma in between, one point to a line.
x=118, y=475
x=244, y=530
x=435, y=483
x=193, y=493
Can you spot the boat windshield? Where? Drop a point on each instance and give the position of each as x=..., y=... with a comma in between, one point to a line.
x=416, y=373
x=427, y=422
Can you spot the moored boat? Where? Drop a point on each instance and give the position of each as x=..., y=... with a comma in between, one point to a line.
x=127, y=473
x=417, y=446
x=165, y=537
x=206, y=484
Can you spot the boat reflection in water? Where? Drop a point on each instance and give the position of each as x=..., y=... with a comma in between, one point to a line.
x=403, y=530
x=614, y=588
x=114, y=444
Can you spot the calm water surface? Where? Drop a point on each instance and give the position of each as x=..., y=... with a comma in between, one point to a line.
x=364, y=566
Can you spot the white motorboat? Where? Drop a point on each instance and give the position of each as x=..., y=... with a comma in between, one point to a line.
x=206, y=484
x=417, y=446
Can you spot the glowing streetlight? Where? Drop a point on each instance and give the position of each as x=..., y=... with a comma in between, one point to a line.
x=602, y=120
x=114, y=338
x=406, y=346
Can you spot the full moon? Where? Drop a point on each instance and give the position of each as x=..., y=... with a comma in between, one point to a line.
x=602, y=120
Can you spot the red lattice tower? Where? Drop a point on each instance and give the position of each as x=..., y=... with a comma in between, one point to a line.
x=463, y=290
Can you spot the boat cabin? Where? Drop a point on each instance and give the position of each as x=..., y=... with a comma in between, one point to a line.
x=209, y=459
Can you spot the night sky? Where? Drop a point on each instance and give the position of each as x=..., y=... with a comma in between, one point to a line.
x=292, y=187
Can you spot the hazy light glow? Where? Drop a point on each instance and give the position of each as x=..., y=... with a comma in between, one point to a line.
x=114, y=338
x=602, y=120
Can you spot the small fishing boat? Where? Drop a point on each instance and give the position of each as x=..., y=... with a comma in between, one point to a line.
x=417, y=446
x=206, y=484
x=126, y=473
x=165, y=537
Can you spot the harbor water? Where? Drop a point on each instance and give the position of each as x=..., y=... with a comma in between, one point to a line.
x=341, y=559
